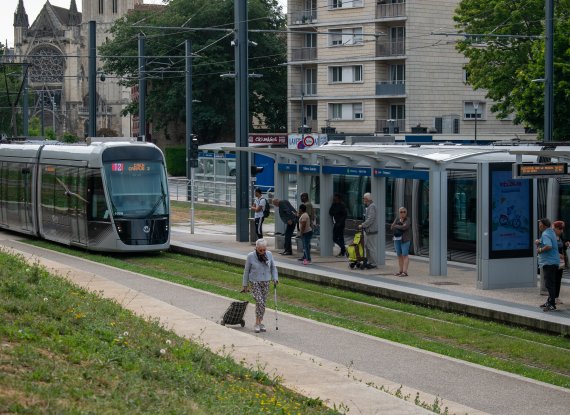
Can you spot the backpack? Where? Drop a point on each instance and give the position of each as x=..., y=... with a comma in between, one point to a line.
x=266, y=210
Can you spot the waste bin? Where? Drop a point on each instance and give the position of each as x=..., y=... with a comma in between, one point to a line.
x=252, y=233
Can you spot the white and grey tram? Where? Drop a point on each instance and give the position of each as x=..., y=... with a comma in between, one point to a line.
x=106, y=196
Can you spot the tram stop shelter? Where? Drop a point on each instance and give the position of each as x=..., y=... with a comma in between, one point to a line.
x=409, y=161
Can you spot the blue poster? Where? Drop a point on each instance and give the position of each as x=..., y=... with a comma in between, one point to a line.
x=511, y=214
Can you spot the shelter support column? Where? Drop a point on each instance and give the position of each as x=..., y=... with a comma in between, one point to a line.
x=325, y=196
x=281, y=191
x=438, y=220
x=378, y=189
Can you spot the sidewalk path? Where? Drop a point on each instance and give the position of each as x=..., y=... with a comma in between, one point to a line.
x=337, y=365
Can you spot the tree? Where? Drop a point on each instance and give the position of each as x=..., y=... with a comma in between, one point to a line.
x=507, y=66
x=10, y=96
x=208, y=24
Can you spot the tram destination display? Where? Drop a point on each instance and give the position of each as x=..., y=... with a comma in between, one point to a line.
x=534, y=170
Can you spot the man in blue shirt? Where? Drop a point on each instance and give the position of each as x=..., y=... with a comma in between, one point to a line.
x=548, y=260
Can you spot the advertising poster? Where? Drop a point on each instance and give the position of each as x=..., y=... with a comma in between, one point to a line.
x=303, y=141
x=511, y=214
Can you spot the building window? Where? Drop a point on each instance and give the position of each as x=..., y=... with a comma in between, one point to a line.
x=343, y=37
x=345, y=74
x=344, y=4
x=310, y=81
x=115, y=7
x=311, y=112
x=348, y=111
x=397, y=74
x=473, y=109
x=311, y=40
x=101, y=8
x=398, y=112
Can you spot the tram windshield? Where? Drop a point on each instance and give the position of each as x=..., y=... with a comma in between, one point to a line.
x=137, y=189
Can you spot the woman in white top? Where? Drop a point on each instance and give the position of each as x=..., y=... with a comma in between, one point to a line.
x=258, y=207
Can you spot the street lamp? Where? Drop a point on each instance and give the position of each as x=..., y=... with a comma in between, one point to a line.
x=476, y=107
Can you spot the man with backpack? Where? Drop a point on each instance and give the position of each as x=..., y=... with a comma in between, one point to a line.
x=260, y=208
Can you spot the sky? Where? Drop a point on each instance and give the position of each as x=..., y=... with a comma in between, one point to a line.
x=33, y=8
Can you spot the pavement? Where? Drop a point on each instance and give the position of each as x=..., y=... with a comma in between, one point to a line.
x=349, y=370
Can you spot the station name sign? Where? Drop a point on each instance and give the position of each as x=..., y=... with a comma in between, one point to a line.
x=536, y=170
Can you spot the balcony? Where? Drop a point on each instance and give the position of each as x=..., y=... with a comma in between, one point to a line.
x=390, y=10
x=306, y=90
x=304, y=54
x=390, y=126
x=312, y=124
x=303, y=17
x=386, y=49
x=390, y=88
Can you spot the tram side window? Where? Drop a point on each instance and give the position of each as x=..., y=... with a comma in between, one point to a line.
x=97, y=204
x=48, y=190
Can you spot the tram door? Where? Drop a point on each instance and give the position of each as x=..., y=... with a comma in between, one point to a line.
x=63, y=204
x=16, y=196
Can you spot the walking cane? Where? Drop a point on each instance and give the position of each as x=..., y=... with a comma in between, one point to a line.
x=275, y=297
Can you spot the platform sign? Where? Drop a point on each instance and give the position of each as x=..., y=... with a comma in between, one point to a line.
x=539, y=170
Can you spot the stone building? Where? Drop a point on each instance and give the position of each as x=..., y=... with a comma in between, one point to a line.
x=56, y=47
x=377, y=66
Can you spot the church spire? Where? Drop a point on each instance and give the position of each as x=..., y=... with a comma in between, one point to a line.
x=20, y=17
x=74, y=15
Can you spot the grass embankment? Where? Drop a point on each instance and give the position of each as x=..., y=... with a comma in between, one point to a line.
x=64, y=350
x=535, y=355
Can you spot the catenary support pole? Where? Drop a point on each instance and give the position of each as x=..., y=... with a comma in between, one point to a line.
x=142, y=88
x=241, y=119
x=549, y=72
x=92, y=81
x=189, y=165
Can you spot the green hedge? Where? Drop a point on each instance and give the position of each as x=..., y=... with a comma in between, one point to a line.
x=175, y=161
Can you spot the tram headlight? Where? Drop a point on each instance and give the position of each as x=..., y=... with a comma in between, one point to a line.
x=119, y=228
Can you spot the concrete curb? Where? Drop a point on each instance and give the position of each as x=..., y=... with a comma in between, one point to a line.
x=473, y=307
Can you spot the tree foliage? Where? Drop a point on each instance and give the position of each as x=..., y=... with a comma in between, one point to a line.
x=507, y=66
x=208, y=24
x=10, y=85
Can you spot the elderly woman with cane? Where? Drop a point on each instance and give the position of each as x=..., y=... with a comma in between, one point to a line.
x=259, y=270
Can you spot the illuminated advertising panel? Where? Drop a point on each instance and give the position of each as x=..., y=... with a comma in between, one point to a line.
x=510, y=210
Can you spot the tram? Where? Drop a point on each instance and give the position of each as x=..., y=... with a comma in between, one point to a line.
x=106, y=196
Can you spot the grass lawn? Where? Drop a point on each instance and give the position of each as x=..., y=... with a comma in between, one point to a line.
x=223, y=215
x=535, y=355
x=66, y=351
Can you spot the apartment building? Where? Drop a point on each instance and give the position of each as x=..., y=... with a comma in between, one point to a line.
x=378, y=66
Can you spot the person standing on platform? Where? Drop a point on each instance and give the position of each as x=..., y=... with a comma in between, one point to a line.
x=258, y=271
x=258, y=208
x=306, y=234
x=548, y=260
x=310, y=209
x=339, y=214
x=370, y=227
x=288, y=215
x=559, y=227
x=402, y=241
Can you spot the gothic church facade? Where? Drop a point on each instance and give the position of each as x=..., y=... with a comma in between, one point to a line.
x=56, y=46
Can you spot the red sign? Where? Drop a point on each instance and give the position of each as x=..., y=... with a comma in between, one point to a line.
x=272, y=139
x=117, y=167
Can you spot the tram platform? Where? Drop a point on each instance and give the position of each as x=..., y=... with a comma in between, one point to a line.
x=455, y=292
